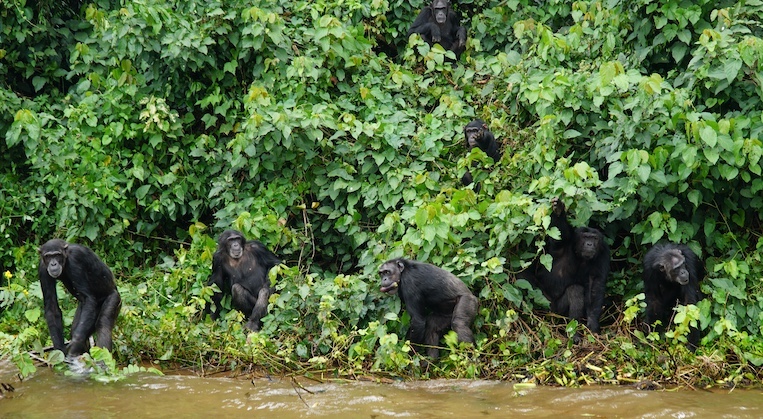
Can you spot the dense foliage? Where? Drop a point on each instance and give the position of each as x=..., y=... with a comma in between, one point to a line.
x=143, y=129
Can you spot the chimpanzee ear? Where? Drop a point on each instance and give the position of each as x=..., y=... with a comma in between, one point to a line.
x=400, y=265
x=64, y=249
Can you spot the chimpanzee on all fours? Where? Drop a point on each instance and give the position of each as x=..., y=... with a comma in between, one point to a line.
x=439, y=24
x=672, y=273
x=240, y=269
x=91, y=282
x=476, y=134
x=436, y=300
x=577, y=281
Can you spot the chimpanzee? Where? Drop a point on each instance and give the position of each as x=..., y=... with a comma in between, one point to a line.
x=90, y=281
x=435, y=299
x=578, y=278
x=672, y=273
x=439, y=24
x=476, y=134
x=240, y=268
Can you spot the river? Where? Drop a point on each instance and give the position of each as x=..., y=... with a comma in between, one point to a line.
x=51, y=395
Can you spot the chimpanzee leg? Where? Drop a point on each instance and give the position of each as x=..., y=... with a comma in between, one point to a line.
x=435, y=328
x=107, y=317
x=255, y=307
x=572, y=303
x=463, y=316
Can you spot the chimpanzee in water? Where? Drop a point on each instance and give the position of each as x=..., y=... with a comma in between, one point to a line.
x=439, y=24
x=477, y=135
x=90, y=281
x=672, y=273
x=435, y=299
x=578, y=278
x=240, y=269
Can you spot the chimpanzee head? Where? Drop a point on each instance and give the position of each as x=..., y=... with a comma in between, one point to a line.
x=53, y=254
x=672, y=264
x=440, y=10
x=232, y=242
x=474, y=132
x=390, y=273
x=588, y=243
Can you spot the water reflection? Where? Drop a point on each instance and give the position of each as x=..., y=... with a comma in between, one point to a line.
x=53, y=395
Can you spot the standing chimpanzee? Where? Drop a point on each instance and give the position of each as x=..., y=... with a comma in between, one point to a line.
x=90, y=281
x=439, y=24
x=671, y=275
x=435, y=299
x=578, y=278
x=240, y=268
x=477, y=135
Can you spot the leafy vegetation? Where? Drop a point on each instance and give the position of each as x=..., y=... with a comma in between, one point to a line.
x=144, y=129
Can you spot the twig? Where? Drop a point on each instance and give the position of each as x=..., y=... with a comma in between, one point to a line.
x=294, y=385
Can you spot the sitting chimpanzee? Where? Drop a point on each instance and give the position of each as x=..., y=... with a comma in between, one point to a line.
x=240, y=268
x=439, y=24
x=672, y=273
x=90, y=281
x=578, y=278
x=435, y=299
x=477, y=135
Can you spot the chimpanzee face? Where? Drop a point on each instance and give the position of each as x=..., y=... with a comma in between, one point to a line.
x=235, y=247
x=390, y=273
x=54, y=262
x=473, y=136
x=440, y=11
x=674, y=267
x=588, y=245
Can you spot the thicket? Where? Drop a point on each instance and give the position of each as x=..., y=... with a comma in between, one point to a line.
x=143, y=129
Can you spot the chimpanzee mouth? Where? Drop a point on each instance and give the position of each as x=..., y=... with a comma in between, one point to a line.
x=390, y=289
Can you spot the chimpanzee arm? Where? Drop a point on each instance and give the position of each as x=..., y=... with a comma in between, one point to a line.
x=421, y=21
x=217, y=278
x=690, y=293
x=88, y=306
x=596, y=288
x=52, y=311
x=461, y=37
x=417, y=333
x=559, y=220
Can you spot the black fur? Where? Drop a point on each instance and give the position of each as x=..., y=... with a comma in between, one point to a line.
x=240, y=268
x=578, y=278
x=91, y=282
x=476, y=134
x=436, y=300
x=672, y=273
x=450, y=34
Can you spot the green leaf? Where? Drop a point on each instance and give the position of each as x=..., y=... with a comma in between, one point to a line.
x=709, y=136
x=142, y=191
x=32, y=314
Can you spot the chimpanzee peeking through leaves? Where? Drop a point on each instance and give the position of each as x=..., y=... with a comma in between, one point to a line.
x=672, y=273
x=90, y=281
x=477, y=135
x=439, y=24
x=435, y=299
x=578, y=278
x=240, y=269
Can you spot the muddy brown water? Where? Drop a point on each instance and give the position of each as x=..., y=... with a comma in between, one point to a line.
x=51, y=395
